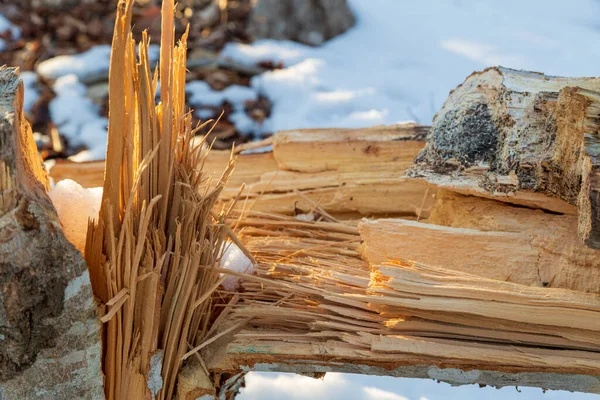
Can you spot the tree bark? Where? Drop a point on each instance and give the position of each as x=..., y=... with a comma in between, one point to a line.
x=520, y=137
x=49, y=334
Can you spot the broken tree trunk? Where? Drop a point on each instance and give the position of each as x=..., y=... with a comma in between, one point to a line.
x=433, y=284
x=49, y=334
x=523, y=138
x=318, y=306
x=326, y=297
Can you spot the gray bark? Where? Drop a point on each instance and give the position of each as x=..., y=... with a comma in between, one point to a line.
x=50, y=344
x=518, y=137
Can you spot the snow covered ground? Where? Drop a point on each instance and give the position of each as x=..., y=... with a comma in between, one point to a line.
x=403, y=57
x=397, y=64
x=263, y=386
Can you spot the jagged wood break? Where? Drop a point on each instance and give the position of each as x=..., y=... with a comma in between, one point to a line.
x=324, y=301
x=458, y=288
x=325, y=292
x=151, y=253
x=520, y=137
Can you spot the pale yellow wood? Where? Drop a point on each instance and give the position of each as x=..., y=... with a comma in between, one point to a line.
x=489, y=239
x=357, y=172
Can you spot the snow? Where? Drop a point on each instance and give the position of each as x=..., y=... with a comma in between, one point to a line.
x=95, y=60
x=31, y=93
x=75, y=206
x=248, y=126
x=234, y=259
x=155, y=381
x=91, y=63
x=288, y=53
x=6, y=25
x=336, y=386
x=200, y=95
x=204, y=113
x=77, y=119
x=402, y=58
x=263, y=149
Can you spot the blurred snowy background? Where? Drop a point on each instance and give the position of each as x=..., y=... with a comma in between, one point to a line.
x=397, y=63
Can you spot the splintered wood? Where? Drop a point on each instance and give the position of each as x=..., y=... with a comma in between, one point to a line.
x=489, y=239
x=316, y=299
x=472, y=261
x=456, y=281
x=356, y=172
x=153, y=252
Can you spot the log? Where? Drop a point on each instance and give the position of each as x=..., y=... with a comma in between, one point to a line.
x=49, y=335
x=324, y=297
x=352, y=172
x=520, y=137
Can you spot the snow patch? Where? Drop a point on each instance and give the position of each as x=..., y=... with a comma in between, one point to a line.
x=200, y=94
x=265, y=50
x=373, y=393
x=234, y=259
x=402, y=58
x=93, y=62
x=31, y=93
x=259, y=150
x=76, y=117
x=75, y=206
x=155, y=381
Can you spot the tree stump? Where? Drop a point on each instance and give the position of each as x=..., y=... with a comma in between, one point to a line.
x=49, y=335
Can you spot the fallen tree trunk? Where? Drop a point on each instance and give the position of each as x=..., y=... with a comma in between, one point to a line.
x=479, y=291
x=49, y=334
